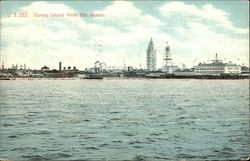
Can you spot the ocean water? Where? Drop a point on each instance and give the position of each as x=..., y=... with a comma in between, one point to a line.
x=124, y=119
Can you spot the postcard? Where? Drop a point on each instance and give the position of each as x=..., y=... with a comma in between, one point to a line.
x=124, y=80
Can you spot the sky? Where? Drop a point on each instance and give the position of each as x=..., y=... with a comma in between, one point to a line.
x=194, y=30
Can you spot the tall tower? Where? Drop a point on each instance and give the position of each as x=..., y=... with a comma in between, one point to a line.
x=167, y=60
x=60, y=66
x=151, y=56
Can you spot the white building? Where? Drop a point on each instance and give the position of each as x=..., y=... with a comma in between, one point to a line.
x=232, y=69
x=151, y=56
x=217, y=68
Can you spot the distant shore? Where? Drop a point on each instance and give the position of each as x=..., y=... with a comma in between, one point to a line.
x=134, y=77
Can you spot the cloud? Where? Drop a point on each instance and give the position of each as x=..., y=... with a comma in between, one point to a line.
x=120, y=34
x=39, y=41
x=123, y=15
x=196, y=30
x=205, y=13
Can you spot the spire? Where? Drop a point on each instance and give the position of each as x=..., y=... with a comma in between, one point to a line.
x=167, y=48
x=2, y=64
x=151, y=44
x=151, y=56
x=216, y=56
x=216, y=60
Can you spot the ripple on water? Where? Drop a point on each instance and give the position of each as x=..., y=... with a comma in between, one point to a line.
x=36, y=157
x=150, y=140
x=59, y=155
x=185, y=122
x=117, y=141
x=104, y=145
x=115, y=119
x=185, y=156
x=140, y=158
x=136, y=142
x=6, y=125
x=24, y=149
x=87, y=137
x=13, y=136
x=225, y=150
x=91, y=148
x=155, y=134
x=114, y=112
x=161, y=158
x=128, y=133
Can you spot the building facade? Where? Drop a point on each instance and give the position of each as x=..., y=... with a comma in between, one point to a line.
x=184, y=72
x=151, y=56
x=232, y=69
x=217, y=67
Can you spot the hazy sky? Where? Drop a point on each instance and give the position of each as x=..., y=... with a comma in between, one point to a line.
x=193, y=29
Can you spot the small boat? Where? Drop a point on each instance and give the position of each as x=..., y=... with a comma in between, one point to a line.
x=93, y=76
x=4, y=78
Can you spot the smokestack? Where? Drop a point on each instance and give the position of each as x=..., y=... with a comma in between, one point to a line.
x=2, y=64
x=60, y=66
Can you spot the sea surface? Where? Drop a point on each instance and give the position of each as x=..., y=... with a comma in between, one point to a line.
x=135, y=119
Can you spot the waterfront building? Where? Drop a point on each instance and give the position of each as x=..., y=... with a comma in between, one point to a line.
x=45, y=68
x=58, y=74
x=151, y=56
x=217, y=67
x=232, y=69
x=183, y=72
x=245, y=70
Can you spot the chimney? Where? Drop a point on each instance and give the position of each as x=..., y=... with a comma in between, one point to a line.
x=2, y=64
x=60, y=66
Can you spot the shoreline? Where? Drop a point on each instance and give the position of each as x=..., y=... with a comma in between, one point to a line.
x=136, y=78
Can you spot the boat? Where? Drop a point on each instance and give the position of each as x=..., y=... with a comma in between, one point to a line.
x=93, y=76
x=4, y=78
